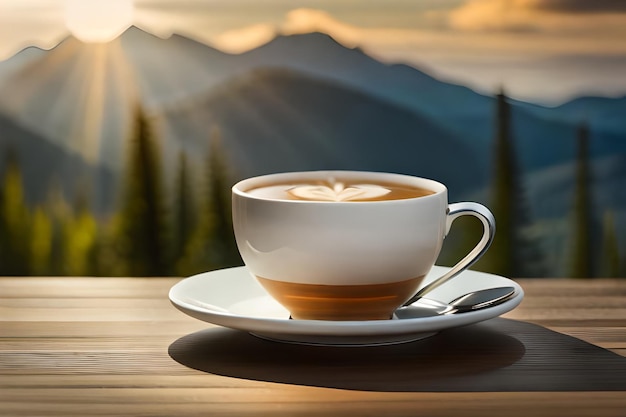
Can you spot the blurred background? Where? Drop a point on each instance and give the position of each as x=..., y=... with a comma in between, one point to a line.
x=123, y=124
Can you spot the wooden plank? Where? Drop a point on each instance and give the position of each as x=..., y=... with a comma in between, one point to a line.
x=85, y=302
x=95, y=329
x=191, y=379
x=287, y=402
x=99, y=347
x=80, y=287
x=86, y=314
x=566, y=286
x=573, y=301
x=82, y=344
x=612, y=335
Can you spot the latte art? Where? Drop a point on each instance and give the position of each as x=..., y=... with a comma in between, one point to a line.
x=338, y=192
x=334, y=189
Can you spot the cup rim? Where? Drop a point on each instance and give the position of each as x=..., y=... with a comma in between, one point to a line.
x=241, y=187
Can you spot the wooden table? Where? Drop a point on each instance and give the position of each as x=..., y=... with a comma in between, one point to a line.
x=102, y=346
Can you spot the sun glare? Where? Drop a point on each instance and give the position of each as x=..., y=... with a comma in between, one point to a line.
x=98, y=20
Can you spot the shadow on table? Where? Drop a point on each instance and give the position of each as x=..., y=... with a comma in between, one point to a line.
x=496, y=355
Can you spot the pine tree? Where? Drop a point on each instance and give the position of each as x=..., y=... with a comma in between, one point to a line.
x=582, y=257
x=59, y=212
x=213, y=244
x=14, y=220
x=78, y=234
x=140, y=234
x=41, y=242
x=184, y=213
x=219, y=204
x=610, y=248
x=514, y=253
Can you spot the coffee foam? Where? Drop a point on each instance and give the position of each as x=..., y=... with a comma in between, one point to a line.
x=338, y=192
x=332, y=189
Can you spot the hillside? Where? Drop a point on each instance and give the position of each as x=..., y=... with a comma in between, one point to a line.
x=52, y=93
x=278, y=120
x=44, y=164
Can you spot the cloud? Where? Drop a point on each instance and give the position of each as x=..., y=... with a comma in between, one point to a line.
x=306, y=20
x=495, y=42
x=511, y=15
x=580, y=6
x=548, y=16
x=240, y=40
x=20, y=27
x=297, y=21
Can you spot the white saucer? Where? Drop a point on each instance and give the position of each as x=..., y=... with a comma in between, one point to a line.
x=233, y=298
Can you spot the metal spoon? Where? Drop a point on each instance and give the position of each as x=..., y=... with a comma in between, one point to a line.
x=476, y=300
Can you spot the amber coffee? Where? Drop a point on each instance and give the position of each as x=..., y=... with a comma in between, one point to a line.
x=340, y=245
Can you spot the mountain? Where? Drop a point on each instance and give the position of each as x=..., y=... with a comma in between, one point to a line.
x=176, y=68
x=44, y=164
x=603, y=112
x=551, y=192
x=280, y=120
x=456, y=108
x=77, y=96
x=320, y=55
x=10, y=66
x=552, y=189
x=199, y=68
x=52, y=93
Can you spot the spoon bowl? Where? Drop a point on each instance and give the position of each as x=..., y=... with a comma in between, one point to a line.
x=475, y=300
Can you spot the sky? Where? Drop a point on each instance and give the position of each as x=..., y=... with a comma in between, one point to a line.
x=545, y=51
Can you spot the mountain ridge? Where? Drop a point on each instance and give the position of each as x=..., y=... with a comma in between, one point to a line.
x=179, y=71
x=346, y=129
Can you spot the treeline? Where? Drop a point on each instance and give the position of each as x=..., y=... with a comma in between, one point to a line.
x=190, y=231
x=591, y=250
x=148, y=235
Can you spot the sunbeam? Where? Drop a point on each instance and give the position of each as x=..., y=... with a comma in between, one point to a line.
x=79, y=97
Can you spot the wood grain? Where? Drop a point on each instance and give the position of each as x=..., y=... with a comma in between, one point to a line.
x=84, y=346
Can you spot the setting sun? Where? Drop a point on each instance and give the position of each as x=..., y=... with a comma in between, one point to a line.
x=98, y=21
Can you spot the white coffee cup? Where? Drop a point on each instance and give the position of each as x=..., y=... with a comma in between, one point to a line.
x=346, y=260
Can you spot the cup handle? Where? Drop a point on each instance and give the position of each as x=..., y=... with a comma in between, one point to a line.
x=489, y=230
